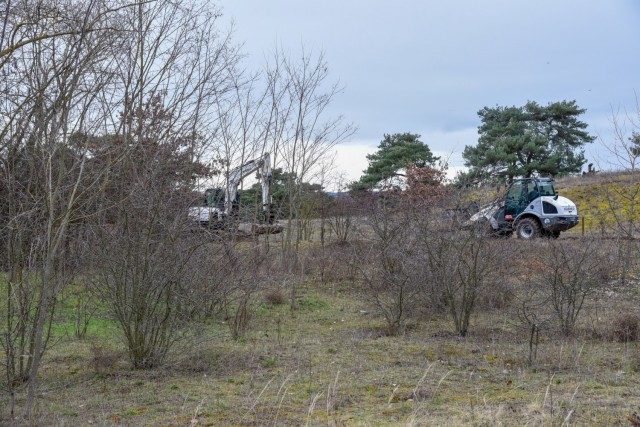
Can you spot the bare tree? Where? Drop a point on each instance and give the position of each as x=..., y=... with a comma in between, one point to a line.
x=175, y=71
x=297, y=134
x=342, y=213
x=299, y=98
x=79, y=80
x=571, y=273
x=622, y=192
x=242, y=127
x=52, y=58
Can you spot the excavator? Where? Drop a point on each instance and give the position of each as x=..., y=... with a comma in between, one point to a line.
x=531, y=207
x=221, y=205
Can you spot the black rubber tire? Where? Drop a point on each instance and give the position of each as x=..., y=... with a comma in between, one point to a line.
x=528, y=229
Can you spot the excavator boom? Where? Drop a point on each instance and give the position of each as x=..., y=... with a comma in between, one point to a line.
x=217, y=215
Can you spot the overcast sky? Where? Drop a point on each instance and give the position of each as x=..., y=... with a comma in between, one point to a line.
x=429, y=66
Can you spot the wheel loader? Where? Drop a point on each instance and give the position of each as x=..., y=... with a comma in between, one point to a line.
x=531, y=208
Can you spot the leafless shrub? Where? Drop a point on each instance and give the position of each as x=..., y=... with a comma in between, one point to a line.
x=390, y=268
x=84, y=308
x=342, y=215
x=333, y=262
x=570, y=273
x=275, y=296
x=140, y=278
x=103, y=361
x=626, y=327
x=413, y=261
x=244, y=271
x=460, y=269
x=207, y=286
x=531, y=308
x=499, y=295
x=239, y=323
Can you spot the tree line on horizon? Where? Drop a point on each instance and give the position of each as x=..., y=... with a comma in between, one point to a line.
x=513, y=142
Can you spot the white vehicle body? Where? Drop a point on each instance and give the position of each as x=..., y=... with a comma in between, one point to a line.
x=531, y=208
x=203, y=214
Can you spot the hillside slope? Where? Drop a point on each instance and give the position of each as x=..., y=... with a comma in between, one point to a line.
x=605, y=201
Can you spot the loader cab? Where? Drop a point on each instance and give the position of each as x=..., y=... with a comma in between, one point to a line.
x=516, y=200
x=524, y=191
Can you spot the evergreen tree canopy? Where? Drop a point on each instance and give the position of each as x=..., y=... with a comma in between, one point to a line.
x=635, y=144
x=395, y=153
x=521, y=141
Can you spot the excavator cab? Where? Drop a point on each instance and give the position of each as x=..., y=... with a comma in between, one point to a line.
x=214, y=197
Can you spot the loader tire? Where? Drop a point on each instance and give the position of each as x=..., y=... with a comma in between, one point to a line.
x=528, y=229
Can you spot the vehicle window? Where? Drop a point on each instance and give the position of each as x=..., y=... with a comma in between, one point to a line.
x=515, y=192
x=546, y=189
x=532, y=191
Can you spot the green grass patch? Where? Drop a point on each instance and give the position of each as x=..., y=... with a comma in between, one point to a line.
x=97, y=328
x=313, y=303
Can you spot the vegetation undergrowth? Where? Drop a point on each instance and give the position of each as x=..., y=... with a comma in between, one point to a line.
x=331, y=361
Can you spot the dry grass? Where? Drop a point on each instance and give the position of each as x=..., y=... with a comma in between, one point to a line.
x=327, y=364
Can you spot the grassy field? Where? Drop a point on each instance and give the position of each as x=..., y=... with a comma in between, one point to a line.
x=330, y=362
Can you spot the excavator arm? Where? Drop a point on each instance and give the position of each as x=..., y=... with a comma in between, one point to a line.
x=236, y=175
